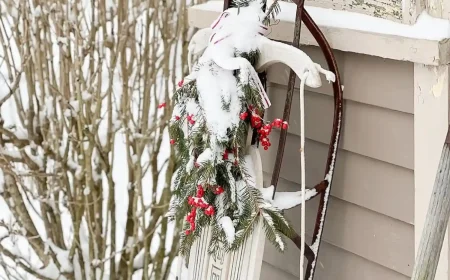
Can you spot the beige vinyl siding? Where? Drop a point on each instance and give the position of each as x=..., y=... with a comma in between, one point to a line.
x=369, y=130
x=270, y=272
x=369, y=231
x=366, y=79
x=343, y=264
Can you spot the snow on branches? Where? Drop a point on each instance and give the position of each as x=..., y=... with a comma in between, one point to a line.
x=215, y=108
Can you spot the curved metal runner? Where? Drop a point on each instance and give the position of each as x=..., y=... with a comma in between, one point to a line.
x=323, y=187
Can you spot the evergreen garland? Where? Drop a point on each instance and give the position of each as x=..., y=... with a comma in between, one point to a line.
x=208, y=191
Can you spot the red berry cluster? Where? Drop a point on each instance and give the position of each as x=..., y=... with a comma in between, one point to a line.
x=199, y=202
x=264, y=133
x=190, y=119
x=280, y=124
x=225, y=155
x=180, y=83
x=256, y=121
x=263, y=130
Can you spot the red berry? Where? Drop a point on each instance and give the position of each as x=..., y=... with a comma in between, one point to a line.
x=190, y=119
x=162, y=105
x=225, y=155
x=177, y=118
x=200, y=191
x=266, y=148
x=219, y=190
x=264, y=141
x=180, y=83
x=209, y=211
x=189, y=218
x=172, y=141
x=192, y=226
x=263, y=132
x=191, y=200
x=243, y=116
x=277, y=123
x=256, y=121
x=285, y=125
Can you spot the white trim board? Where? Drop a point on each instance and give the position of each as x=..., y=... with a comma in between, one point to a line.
x=352, y=32
x=431, y=99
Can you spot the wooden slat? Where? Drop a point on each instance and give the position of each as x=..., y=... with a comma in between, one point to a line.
x=367, y=234
x=371, y=131
x=367, y=79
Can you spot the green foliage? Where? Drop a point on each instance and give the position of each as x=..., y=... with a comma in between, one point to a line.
x=240, y=200
x=240, y=3
x=272, y=12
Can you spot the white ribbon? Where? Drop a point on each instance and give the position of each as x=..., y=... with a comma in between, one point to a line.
x=303, y=172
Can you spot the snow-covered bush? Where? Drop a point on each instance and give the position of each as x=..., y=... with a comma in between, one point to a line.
x=85, y=160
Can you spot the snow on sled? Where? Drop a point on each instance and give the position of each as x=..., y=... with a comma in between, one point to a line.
x=218, y=120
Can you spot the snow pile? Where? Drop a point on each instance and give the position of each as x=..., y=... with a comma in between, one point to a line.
x=219, y=92
x=426, y=27
x=286, y=200
x=214, y=87
x=62, y=256
x=228, y=228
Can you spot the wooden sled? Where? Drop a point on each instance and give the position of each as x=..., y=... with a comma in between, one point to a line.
x=246, y=262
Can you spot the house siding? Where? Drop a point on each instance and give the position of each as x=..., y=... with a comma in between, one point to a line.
x=369, y=231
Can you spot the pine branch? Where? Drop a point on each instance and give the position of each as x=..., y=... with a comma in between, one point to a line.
x=240, y=3
x=240, y=201
x=271, y=12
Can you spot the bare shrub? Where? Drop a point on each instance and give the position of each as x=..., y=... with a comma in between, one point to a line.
x=86, y=164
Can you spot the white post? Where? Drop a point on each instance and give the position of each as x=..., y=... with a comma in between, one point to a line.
x=430, y=128
x=436, y=221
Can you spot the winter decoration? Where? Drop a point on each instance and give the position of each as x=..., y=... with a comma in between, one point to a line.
x=217, y=191
x=215, y=108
